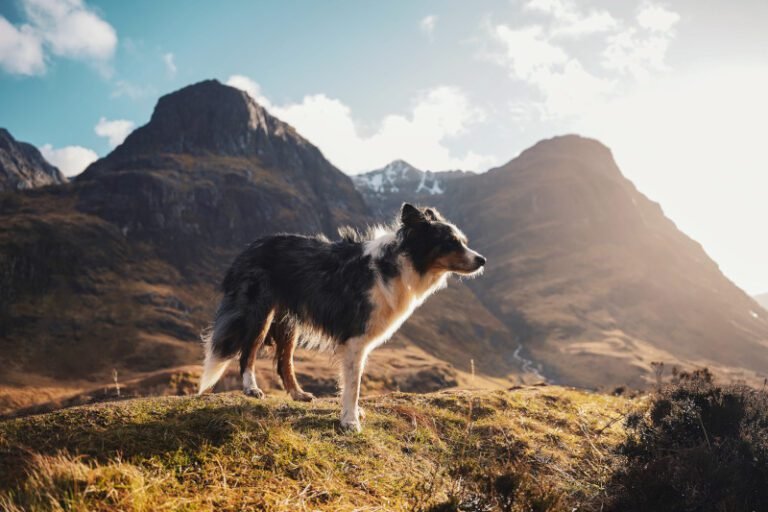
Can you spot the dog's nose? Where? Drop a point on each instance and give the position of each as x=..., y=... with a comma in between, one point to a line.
x=479, y=261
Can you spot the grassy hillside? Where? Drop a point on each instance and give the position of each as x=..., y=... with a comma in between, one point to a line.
x=531, y=448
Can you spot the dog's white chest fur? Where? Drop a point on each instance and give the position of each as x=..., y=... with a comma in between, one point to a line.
x=395, y=299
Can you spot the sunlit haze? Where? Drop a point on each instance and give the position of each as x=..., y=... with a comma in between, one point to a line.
x=675, y=89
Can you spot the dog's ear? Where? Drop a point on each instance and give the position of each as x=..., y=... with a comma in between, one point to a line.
x=432, y=214
x=410, y=215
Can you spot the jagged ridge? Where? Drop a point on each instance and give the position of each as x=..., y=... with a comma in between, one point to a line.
x=23, y=167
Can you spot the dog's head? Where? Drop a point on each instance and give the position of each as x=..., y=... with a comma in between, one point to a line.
x=435, y=245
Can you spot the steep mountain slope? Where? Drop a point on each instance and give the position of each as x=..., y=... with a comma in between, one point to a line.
x=593, y=277
x=119, y=269
x=23, y=167
x=387, y=188
x=762, y=300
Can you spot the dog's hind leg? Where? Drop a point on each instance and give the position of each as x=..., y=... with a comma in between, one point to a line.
x=260, y=320
x=286, y=335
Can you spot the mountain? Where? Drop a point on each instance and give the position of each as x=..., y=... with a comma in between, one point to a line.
x=212, y=167
x=23, y=167
x=119, y=269
x=762, y=300
x=387, y=188
x=593, y=278
x=588, y=283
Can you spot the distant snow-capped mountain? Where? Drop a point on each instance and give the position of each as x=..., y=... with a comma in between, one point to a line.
x=386, y=188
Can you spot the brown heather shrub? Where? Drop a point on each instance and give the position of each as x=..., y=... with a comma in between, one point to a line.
x=700, y=447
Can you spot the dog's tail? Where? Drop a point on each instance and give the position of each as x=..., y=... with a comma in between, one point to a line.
x=219, y=350
x=214, y=366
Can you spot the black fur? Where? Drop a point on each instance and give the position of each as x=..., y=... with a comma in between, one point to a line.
x=425, y=237
x=314, y=281
x=386, y=263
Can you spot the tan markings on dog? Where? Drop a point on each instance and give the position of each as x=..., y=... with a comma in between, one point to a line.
x=259, y=341
x=456, y=260
x=285, y=336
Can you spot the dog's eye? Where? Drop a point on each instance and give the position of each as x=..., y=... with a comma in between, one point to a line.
x=453, y=245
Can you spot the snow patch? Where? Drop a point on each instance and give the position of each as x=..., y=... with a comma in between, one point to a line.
x=433, y=189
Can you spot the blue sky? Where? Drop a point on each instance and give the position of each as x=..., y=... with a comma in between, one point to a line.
x=676, y=89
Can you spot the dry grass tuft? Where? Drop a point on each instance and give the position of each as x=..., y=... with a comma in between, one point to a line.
x=541, y=449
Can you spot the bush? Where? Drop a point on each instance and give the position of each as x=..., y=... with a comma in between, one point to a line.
x=700, y=447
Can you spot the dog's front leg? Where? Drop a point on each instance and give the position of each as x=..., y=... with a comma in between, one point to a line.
x=353, y=362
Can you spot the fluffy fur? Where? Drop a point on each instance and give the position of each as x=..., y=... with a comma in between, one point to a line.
x=349, y=295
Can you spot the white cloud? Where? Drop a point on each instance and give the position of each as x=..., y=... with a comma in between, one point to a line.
x=71, y=160
x=570, y=21
x=565, y=86
x=529, y=51
x=71, y=29
x=170, y=64
x=636, y=53
x=420, y=137
x=65, y=28
x=642, y=50
x=115, y=130
x=251, y=87
x=657, y=18
x=20, y=50
x=539, y=56
x=130, y=90
x=427, y=25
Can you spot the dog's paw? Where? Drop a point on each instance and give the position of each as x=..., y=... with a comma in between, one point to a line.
x=302, y=396
x=351, y=426
x=254, y=392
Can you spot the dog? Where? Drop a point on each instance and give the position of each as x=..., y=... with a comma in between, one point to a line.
x=348, y=295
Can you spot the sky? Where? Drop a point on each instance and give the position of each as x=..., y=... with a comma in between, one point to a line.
x=676, y=89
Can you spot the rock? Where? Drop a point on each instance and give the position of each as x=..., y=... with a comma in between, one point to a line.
x=23, y=167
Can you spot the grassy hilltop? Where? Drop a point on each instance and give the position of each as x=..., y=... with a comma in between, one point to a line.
x=531, y=448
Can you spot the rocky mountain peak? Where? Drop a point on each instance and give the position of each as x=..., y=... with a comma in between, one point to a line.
x=208, y=118
x=592, y=155
x=23, y=167
x=213, y=163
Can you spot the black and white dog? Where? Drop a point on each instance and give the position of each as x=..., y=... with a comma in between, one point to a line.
x=350, y=296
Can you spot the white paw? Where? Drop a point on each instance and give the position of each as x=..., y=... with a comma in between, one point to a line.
x=350, y=421
x=254, y=392
x=351, y=425
x=302, y=396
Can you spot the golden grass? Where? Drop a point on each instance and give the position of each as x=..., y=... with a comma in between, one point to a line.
x=534, y=448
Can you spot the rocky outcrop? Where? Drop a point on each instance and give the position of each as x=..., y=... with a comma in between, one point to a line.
x=214, y=166
x=23, y=167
